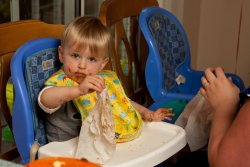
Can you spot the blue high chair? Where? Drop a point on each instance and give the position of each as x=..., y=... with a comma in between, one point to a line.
x=169, y=78
x=31, y=65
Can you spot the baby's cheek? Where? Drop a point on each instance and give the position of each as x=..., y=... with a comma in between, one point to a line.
x=70, y=71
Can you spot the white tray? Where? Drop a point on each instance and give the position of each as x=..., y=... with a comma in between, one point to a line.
x=158, y=142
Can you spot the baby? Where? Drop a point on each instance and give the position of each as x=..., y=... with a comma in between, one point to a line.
x=71, y=93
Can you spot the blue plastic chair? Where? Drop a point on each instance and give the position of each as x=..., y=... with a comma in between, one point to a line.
x=31, y=65
x=169, y=77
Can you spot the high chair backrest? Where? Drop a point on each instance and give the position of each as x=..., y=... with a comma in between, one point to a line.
x=169, y=48
x=168, y=73
x=12, y=36
x=129, y=52
x=31, y=65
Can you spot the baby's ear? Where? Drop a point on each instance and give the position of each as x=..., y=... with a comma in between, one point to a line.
x=60, y=53
x=105, y=62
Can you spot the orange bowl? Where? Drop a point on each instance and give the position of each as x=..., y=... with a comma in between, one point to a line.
x=61, y=162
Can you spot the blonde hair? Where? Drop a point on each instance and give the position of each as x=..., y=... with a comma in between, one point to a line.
x=87, y=32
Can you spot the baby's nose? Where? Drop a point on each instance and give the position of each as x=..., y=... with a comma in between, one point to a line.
x=82, y=64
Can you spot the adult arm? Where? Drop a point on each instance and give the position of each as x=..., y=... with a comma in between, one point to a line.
x=229, y=143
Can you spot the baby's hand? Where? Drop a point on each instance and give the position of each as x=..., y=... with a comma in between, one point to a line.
x=163, y=113
x=92, y=83
x=159, y=115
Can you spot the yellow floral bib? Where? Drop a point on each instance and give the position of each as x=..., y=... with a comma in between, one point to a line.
x=128, y=122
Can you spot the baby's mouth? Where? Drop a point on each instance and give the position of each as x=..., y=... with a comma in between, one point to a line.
x=80, y=75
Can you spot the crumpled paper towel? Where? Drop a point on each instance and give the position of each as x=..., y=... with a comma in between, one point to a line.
x=196, y=121
x=97, y=136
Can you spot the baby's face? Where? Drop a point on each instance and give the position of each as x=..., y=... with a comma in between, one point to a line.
x=79, y=63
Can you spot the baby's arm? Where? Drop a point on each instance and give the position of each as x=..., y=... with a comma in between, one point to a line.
x=55, y=96
x=149, y=116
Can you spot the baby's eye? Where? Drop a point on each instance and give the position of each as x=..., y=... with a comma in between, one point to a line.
x=75, y=55
x=92, y=59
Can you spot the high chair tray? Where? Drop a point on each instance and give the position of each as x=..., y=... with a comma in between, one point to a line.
x=157, y=142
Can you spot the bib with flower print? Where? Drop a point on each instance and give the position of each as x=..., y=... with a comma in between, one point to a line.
x=128, y=122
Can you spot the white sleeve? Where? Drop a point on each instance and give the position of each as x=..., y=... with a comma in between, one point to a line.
x=45, y=109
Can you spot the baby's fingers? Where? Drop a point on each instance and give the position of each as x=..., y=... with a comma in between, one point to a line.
x=169, y=115
x=95, y=83
x=99, y=81
x=165, y=110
